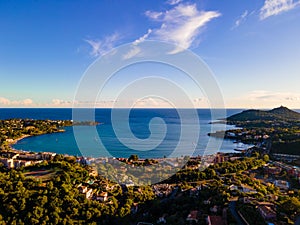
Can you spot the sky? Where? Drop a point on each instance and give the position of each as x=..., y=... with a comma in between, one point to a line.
x=252, y=48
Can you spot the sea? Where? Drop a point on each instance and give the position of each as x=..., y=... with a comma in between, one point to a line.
x=148, y=133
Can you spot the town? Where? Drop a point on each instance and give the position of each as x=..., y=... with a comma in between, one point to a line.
x=253, y=186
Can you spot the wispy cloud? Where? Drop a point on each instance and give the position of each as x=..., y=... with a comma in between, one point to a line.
x=143, y=38
x=181, y=25
x=275, y=7
x=173, y=2
x=152, y=102
x=262, y=95
x=133, y=52
x=265, y=99
x=61, y=103
x=153, y=15
x=241, y=19
x=100, y=47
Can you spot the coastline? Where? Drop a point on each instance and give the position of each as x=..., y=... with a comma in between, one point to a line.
x=228, y=148
x=15, y=141
x=19, y=139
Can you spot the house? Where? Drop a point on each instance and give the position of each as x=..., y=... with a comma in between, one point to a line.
x=248, y=200
x=206, y=202
x=135, y=208
x=19, y=163
x=193, y=216
x=47, y=155
x=282, y=184
x=29, y=156
x=9, y=140
x=231, y=134
x=82, y=189
x=216, y=220
x=233, y=187
x=272, y=170
x=247, y=189
x=89, y=193
x=9, y=163
x=267, y=212
x=93, y=172
x=102, y=197
x=194, y=192
x=214, y=209
x=161, y=220
x=220, y=157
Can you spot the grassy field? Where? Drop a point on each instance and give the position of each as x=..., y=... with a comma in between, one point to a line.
x=42, y=174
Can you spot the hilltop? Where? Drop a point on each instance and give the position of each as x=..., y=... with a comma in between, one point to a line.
x=280, y=114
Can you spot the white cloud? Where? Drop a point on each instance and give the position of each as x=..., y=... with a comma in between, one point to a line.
x=275, y=7
x=4, y=101
x=133, y=52
x=241, y=19
x=134, y=49
x=153, y=15
x=143, y=38
x=151, y=102
x=27, y=102
x=181, y=25
x=60, y=103
x=173, y=2
x=8, y=102
x=100, y=47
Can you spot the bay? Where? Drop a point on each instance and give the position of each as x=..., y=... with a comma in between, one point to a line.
x=105, y=143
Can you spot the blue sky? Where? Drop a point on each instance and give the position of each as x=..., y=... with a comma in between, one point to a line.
x=252, y=46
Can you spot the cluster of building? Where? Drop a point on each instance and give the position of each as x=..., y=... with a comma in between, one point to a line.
x=275, y=167
x=17, y=160
x=163, y=190
x=247, y=134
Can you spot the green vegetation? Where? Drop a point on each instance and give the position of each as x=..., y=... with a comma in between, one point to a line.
x=49, y=193
x=62, y=191
x=29, y=200
x=276, y=114
x=275, y=131
x=191, y=175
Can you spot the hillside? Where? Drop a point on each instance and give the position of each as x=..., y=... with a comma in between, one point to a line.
x=280, y=114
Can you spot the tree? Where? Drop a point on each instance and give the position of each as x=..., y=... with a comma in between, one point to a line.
x=291, y=206
x=255, y=154
x=266, y=158
x=133, y=158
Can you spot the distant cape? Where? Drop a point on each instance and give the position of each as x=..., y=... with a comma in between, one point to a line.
x=281, y=113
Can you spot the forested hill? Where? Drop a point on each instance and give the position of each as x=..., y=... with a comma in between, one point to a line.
x=280, y=114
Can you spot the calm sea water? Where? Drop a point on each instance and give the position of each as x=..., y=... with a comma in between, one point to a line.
x=106, y=143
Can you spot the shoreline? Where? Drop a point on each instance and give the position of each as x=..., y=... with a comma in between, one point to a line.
x=15, y=141
x=19, y=139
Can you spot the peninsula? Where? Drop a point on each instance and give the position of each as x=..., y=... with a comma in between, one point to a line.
x=273, y=131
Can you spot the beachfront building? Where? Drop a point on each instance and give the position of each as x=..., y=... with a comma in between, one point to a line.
x=9, y=163
x=282, y=184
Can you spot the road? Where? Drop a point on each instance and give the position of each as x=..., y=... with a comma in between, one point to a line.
x=232, y=205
